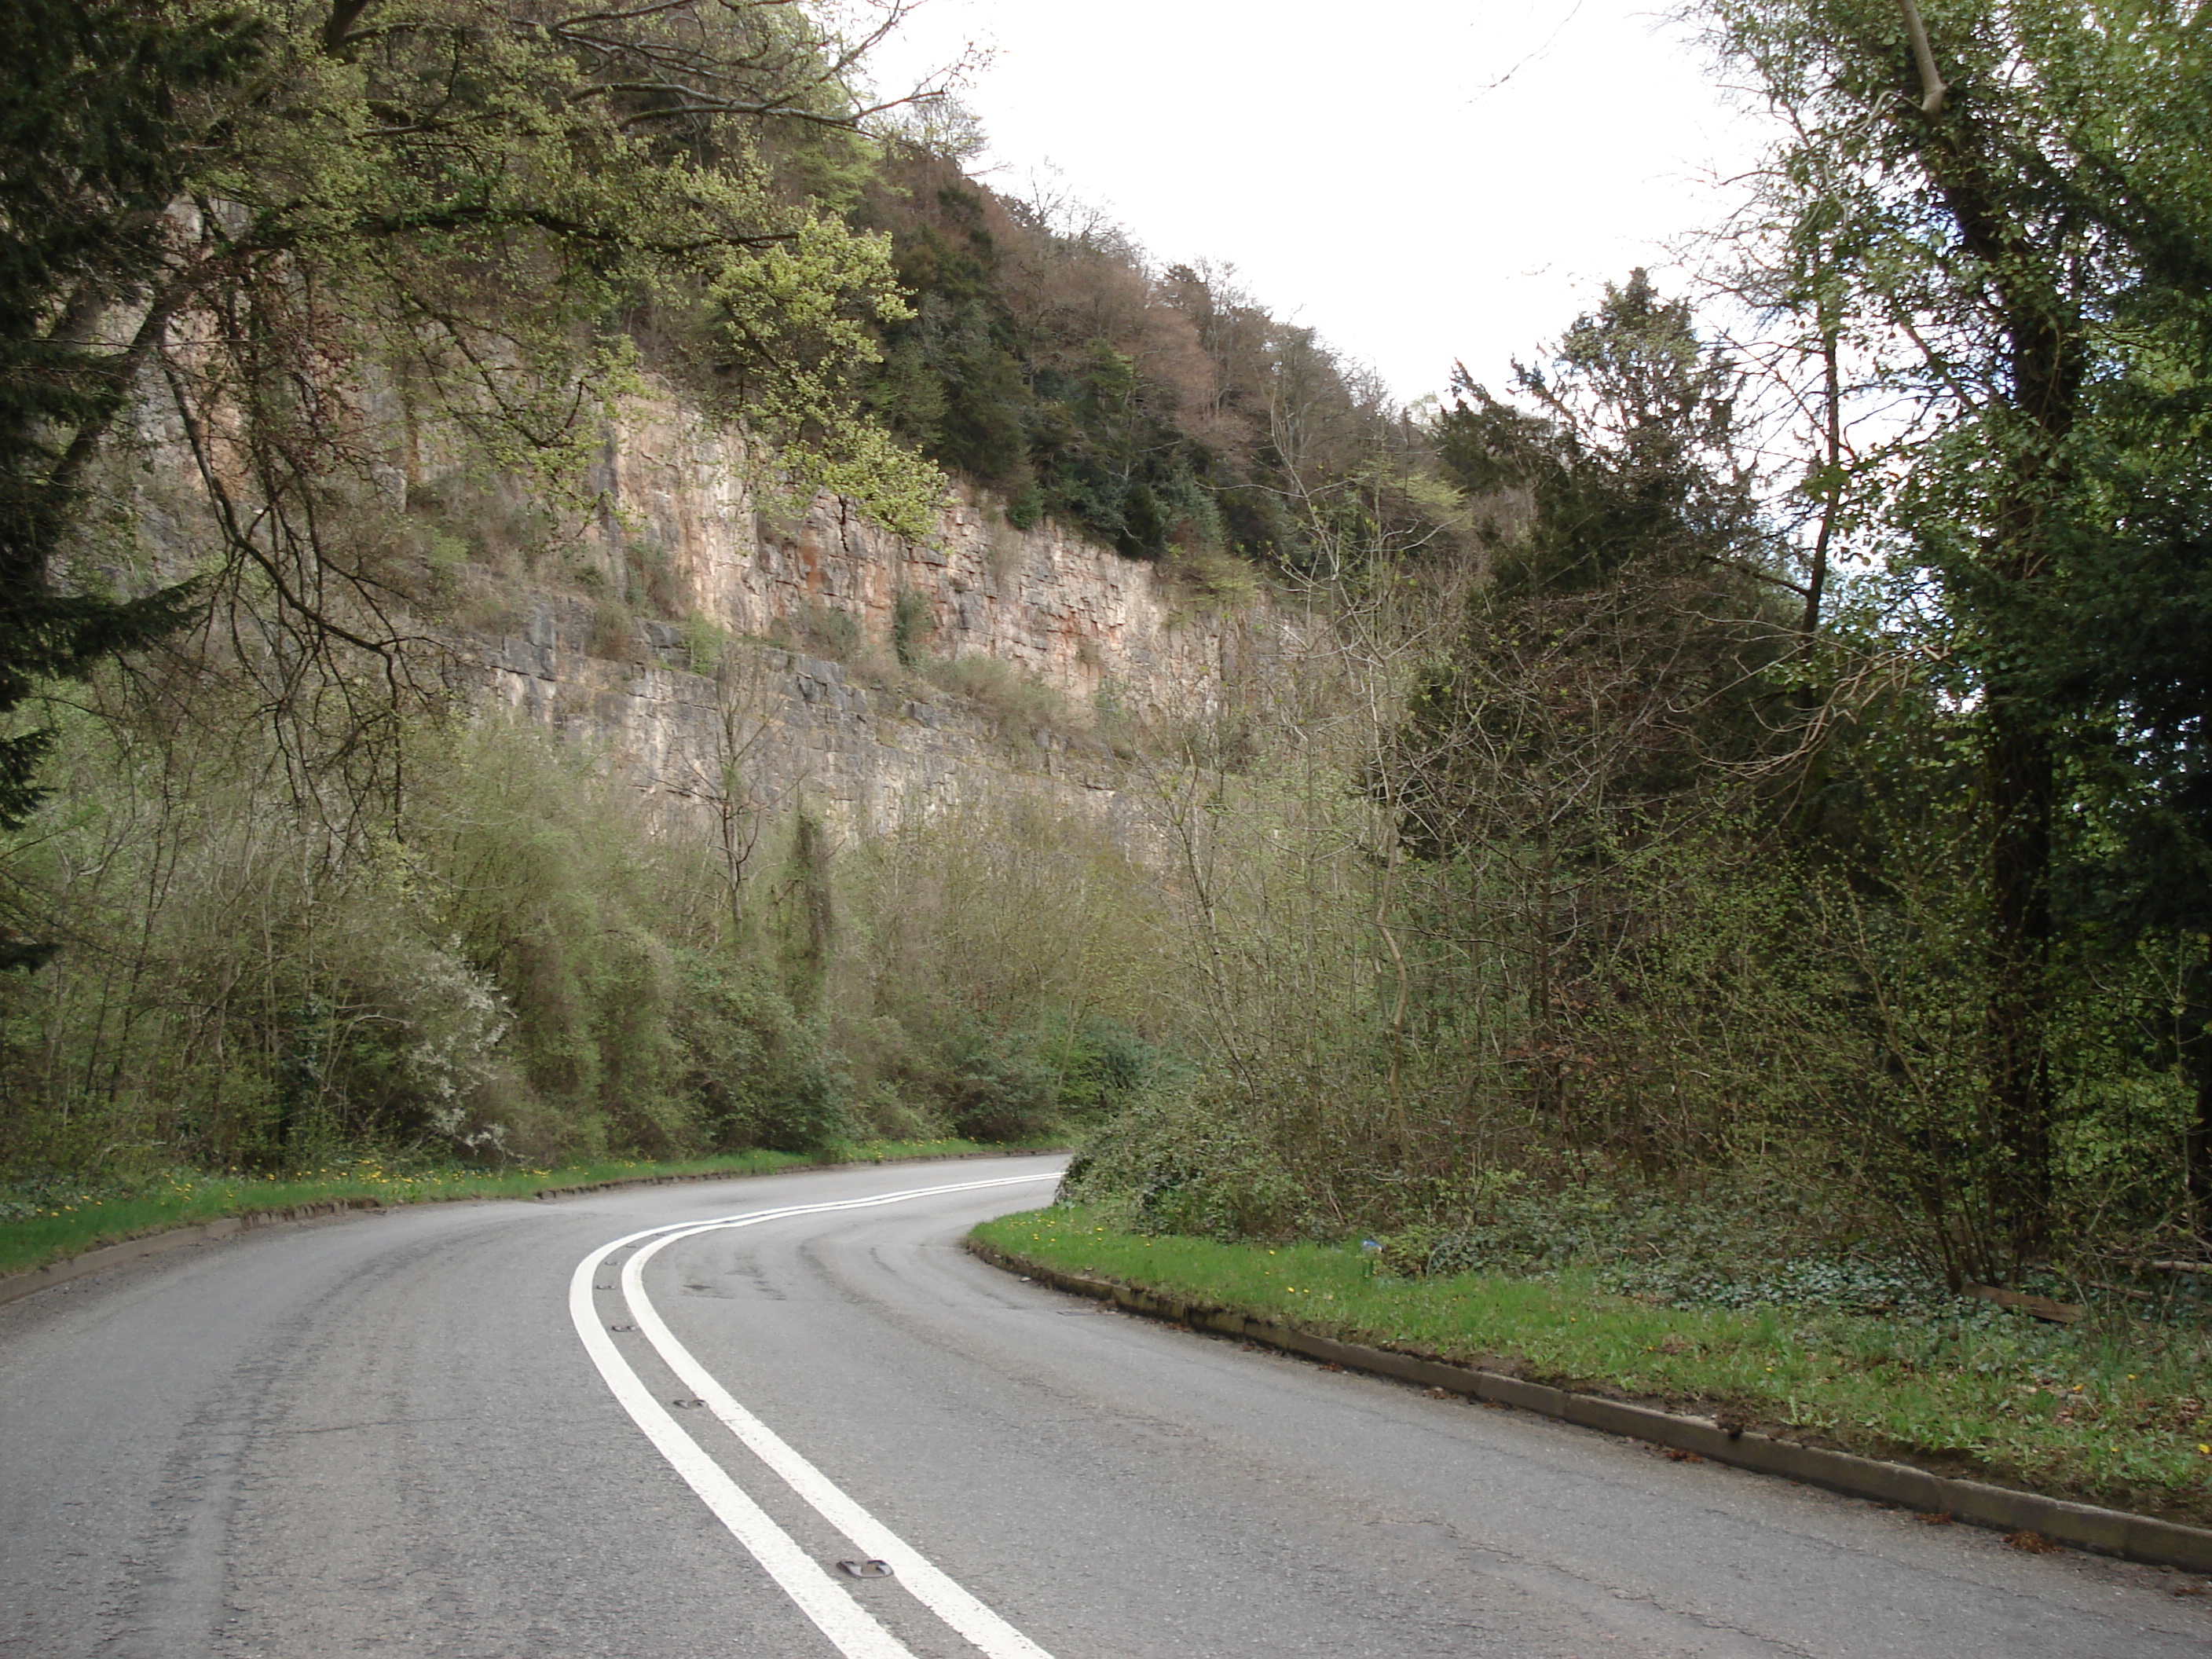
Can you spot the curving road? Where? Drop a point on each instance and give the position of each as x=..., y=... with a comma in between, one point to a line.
x=422, y=1433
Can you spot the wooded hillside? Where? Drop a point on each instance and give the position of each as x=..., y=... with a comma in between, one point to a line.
x=1764, y=745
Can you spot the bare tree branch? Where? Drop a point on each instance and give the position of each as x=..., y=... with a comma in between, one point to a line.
x=1931, y=84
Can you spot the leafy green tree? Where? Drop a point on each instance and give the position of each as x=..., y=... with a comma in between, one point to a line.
x=100, y=107
x=280, y=224
x=1640, y=556
x=2131, y=642
x=1997, y=212
x=1629, y=449
x=1613, y=653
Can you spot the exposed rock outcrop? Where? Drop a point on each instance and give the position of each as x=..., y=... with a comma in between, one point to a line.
x=726, y=654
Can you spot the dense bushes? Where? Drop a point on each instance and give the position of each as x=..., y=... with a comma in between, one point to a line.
x=1628, y=877
x=509, y=965
x=1424, y=1048
x=1001, y=971
x=1201, y=1167
x=1633, y=837
x=293, y=898
x=513, y=963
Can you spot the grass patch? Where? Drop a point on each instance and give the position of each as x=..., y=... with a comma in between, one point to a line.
x=2109, y=1411
x=48, y=1221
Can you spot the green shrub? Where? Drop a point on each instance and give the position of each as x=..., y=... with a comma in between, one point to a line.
x=757, y=1072
x=997, y=1086
x=911, y=624
x=1192, y=1164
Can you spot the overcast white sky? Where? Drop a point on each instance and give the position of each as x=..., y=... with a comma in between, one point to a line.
x=1419, y=181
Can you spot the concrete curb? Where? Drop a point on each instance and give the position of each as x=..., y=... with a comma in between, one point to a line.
x=13, y=1286
x=2085, y=1526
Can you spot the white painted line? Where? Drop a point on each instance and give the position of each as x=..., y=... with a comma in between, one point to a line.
x=835, y=1614
x=932, y=1587
x=849, y=1627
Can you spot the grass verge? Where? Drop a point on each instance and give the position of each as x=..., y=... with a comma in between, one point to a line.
x=2111, y=1412
x=35, y=1233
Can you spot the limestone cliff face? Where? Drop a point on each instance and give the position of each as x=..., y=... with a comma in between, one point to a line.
x=733, y=657
x=769, y=729
x=771, y=717
x=1077, y=616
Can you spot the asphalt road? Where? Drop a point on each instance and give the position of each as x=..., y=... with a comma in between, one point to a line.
x=421, y=1433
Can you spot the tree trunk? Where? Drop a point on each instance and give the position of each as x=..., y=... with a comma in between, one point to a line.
x=2020, y=792
x=2042, y=368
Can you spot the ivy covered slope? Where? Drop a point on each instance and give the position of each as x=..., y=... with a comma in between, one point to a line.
x=1757, y=1326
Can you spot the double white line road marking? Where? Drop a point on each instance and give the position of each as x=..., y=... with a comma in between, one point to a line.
x=849, y=1626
